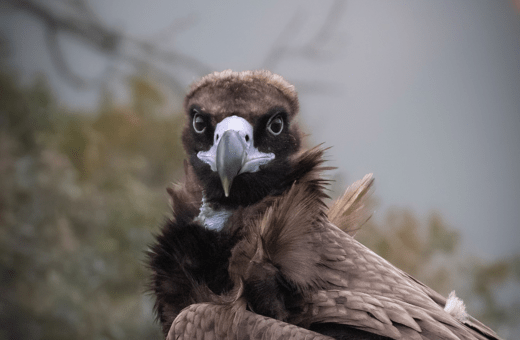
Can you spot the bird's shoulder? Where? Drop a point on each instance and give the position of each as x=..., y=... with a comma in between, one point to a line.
x=362, y=289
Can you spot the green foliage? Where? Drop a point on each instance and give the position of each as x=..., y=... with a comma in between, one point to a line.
x=81, y=195
x=485, y=280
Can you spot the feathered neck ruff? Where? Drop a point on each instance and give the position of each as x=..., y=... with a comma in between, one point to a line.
x=304, y=179
x=281, y=237
x=275, y=242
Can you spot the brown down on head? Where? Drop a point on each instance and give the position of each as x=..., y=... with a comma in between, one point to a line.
x=254, y=79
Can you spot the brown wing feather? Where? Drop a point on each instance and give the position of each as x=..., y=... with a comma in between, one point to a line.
x=282, y=236
x=352, y=272
x=337, y=279
x=340, y=280
x=349, y=212
x=213, y=321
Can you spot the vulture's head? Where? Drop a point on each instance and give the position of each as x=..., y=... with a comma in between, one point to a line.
x=240, y=134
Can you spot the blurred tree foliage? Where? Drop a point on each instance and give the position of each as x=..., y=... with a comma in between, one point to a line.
x=82, y=193
x=80, y=197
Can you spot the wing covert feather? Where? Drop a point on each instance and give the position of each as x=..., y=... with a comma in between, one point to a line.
x=212, y=321
x=363, y=290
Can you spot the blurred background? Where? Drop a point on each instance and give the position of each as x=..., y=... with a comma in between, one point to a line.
x=426, y=95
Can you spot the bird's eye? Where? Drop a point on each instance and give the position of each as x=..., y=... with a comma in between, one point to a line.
x=199, y=124
x=275, y=125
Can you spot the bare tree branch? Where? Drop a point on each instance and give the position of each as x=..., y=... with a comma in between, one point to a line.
x=313, y=48
x=75, y=17
x=84, y=25
x=330, y=25
x=280, y=47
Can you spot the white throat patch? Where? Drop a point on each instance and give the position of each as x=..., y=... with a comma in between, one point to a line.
x=212, y=219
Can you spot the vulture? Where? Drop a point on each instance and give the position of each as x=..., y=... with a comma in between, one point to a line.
x=253, y=252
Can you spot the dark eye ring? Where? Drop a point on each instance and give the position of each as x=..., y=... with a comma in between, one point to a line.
x=275, y=125
x=199, y=124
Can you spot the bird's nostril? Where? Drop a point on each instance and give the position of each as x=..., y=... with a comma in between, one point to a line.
x=247, y=138
x=217, y=136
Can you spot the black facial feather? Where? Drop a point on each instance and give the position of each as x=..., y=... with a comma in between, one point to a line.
x=247, y=188
x=283, y=144
x=193, y=141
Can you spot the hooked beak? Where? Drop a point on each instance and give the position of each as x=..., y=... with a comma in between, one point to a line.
x=231, y=154
x=233, y=151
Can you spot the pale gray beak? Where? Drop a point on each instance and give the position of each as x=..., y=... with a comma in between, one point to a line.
x=233, y=151
x=231, y=154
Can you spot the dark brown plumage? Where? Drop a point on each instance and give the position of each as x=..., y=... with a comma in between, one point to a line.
x=189, y=259
x=337, y=280
x=253, y=252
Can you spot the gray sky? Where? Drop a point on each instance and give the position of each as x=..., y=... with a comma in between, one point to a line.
x=427, y=94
